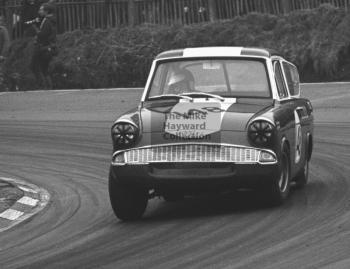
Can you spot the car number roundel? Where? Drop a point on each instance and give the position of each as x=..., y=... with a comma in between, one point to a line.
x=298, y=137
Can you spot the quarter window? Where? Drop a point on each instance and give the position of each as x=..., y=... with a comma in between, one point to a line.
x=281, y=87
x=292, y=77
x=157, y=81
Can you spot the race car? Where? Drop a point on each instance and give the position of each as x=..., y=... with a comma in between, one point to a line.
x=212, y=119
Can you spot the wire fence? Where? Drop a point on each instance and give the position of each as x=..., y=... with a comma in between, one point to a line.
x=79, y=14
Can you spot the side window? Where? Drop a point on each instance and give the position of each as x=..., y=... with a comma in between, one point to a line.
x=281, y=87
x=292, y=77
x=157, y=80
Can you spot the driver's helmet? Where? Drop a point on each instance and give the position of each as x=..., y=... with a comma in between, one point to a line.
x=181, y=81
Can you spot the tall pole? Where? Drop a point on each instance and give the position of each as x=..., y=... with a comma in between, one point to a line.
x=105, y=13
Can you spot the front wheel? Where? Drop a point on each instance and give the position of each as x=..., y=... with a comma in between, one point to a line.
x=128, y=203
x=279, y=189
x=173, y=196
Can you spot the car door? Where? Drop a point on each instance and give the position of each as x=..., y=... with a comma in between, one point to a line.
x=301, y=114
x=287, y=119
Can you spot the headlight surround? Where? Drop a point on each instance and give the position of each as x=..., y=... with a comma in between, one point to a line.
x=118, y=159
x=261, y=132
x=266, y=157
x=124, y=134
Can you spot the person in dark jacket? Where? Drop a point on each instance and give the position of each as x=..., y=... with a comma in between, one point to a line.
x=29, y=12
x=45, y=45
x=4, y=49
x=4, y=38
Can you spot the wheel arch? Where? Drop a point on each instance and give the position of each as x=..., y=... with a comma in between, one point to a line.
x=285, y=143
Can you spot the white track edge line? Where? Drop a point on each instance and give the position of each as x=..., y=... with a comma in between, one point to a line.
x=11, y=214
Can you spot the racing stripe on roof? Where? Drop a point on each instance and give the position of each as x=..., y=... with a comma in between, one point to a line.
x=171, y=54
x=260, y=52
x=212, y=52
x=217, y=52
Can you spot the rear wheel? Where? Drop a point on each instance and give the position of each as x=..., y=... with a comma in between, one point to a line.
x=303, y=176
x=128, y=203
x=279, y=189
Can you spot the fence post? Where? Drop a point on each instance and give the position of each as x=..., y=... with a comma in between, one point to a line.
x=131, y=12
x=286, y=7
x=212, y=10
x=105, y=13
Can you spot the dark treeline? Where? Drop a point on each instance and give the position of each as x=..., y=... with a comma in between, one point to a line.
x=317, y=41
x=92, y=14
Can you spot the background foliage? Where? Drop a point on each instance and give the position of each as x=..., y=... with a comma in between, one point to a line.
x=316, y=40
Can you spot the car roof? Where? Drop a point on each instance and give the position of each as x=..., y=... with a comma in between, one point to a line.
x=218, y=52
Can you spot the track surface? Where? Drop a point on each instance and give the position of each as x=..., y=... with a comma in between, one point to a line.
x=60, y=141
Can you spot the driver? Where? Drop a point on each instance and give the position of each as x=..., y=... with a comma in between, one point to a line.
x=181, y=81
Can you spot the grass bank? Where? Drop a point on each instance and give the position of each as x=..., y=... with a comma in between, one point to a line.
x=317, y=40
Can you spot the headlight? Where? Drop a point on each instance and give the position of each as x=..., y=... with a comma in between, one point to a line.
x=261, y=132
x=124, y=134
x=267, y=157
x=118, y=159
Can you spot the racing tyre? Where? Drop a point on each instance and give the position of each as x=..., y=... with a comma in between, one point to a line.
x=303, y=176
x=278, y=191
x=128, y=203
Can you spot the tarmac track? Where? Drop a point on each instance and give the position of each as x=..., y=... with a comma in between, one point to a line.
x=60, y=141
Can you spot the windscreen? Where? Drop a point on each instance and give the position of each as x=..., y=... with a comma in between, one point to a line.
x=225, y=77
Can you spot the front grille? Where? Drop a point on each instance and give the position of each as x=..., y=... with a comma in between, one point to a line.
x=183, y=153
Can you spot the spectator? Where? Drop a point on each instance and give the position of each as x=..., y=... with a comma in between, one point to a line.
x=4, y=38
x=45, y=46
x=4, y=48
x=29, y=12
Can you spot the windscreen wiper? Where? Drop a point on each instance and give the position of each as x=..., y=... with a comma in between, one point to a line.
x=170, y=96
x=199, y=94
